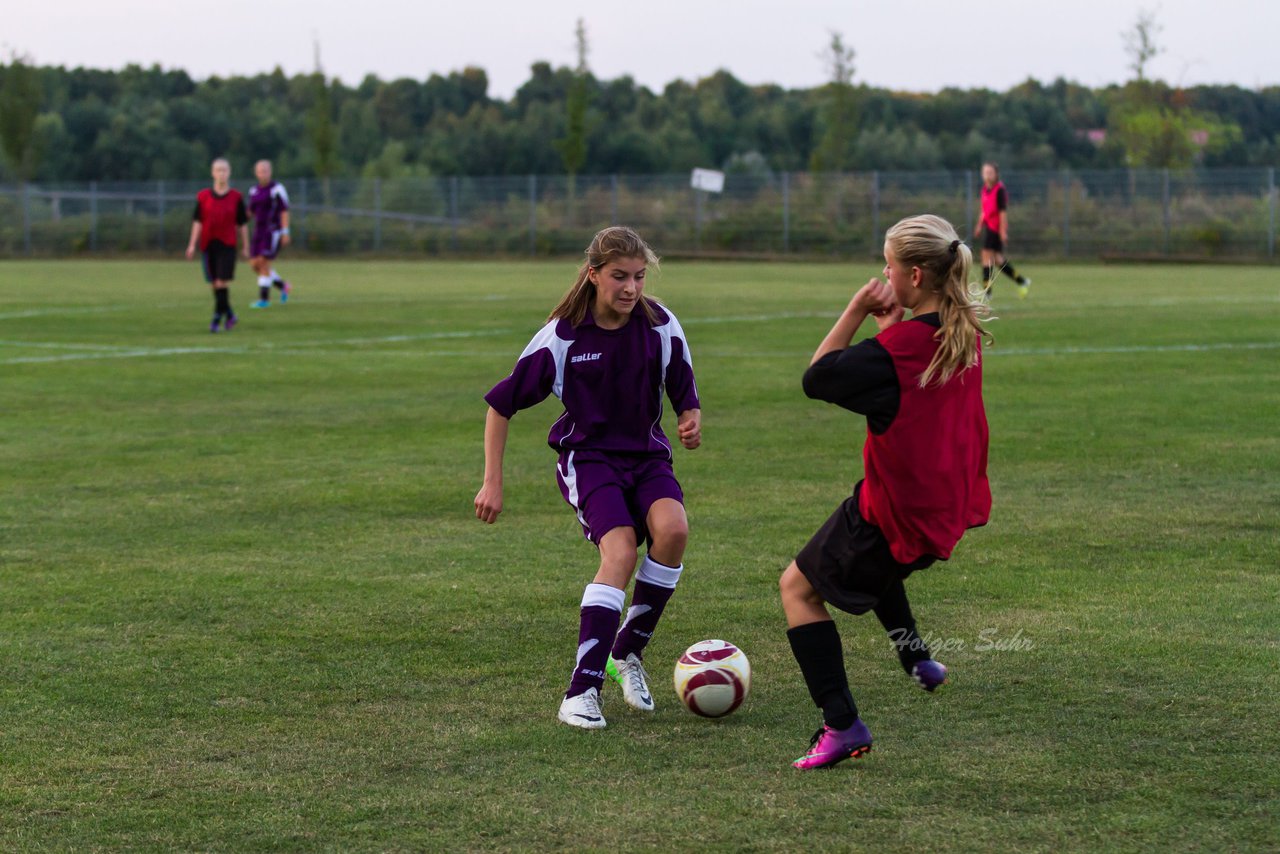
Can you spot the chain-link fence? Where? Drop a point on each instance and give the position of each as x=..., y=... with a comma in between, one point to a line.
x=1085, y=215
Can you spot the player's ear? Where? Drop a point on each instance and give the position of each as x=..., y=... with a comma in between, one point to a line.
x=917, y=277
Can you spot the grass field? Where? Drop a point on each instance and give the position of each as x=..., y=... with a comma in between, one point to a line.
x=245, y=606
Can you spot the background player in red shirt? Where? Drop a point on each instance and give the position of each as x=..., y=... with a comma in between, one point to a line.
x=993, y=228
x=919, y=383
x=218, y=217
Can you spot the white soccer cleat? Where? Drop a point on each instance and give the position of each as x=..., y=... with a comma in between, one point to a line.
x=582, y=711
x=634, y=681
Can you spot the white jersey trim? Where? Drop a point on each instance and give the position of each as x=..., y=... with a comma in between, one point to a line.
x=547, y=339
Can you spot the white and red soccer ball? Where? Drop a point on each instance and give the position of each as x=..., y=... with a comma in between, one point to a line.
x=712, y=678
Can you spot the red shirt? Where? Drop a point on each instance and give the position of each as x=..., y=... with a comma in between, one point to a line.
x=994, y=200
x=219, y=216
x=926, y=474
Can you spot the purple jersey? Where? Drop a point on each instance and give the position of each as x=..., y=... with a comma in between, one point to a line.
x=266, y=204
x=611, y=382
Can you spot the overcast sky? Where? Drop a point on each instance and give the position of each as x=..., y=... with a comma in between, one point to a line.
x=918, y=45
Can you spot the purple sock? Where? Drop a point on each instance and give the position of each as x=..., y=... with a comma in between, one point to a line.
x=654, y=585
x=601, y=607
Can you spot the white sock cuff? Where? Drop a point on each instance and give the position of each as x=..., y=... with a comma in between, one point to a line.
x=661, y=576
x=264, y=281
x=603, y=596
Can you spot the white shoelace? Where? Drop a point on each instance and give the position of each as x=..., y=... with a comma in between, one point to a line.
x=638, y=678
x=592, y=701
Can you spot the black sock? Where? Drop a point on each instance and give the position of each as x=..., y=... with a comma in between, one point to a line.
x=894, y=613
x=264, y=293
x=277, y=281
x=820, y=655
x=986, y=276
x=1012, y=273
x=222, y=299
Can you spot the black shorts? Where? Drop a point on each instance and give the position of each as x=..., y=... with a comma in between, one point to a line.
x=848, y=561
x=991, y=240
x=219, y=262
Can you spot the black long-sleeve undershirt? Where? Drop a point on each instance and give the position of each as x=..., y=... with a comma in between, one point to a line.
x=862, y=379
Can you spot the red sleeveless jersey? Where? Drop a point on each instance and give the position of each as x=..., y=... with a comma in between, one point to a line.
x=992, y=198
x=926, y=476
x=219, y=216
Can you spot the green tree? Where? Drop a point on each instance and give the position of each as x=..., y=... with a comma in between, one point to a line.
x=19, y=107
x=573, y=145
x=839, y=112
x=1167, y=138
x=1140, y=42
x=320, y=125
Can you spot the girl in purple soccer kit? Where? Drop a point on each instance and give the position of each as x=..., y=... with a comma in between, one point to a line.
x=609, y=353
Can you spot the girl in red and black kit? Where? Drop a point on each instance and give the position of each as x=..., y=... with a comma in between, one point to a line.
x=218, y=218
x=919, y=384
x=993, y=228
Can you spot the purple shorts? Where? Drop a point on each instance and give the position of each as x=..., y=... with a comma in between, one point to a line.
x=610, y=491
x=264, y=243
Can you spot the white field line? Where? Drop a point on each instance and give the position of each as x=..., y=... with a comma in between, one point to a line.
x=99, y=351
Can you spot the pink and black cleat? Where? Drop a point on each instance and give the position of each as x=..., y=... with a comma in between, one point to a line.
x=832, y=746
x=230, y=323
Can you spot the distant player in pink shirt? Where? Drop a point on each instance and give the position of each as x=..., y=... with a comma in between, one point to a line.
x=993, y=228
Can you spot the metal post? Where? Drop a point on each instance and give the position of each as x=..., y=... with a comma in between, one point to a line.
x=160, y=212
x=697, y=219
x=1271, y=213
x=26, y=217
x=613, y=200
x=377, y=214
x=875, y=213
x=533, y=214
x=93, y=216
x=1168, y=222
x=968, y=202
x=1066, y=213
x=453, y=213
x=296, y=222
x=786, y=212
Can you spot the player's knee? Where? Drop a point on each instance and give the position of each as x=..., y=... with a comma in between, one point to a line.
x=671, y=535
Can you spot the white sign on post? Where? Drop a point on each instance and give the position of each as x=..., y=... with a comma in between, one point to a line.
x=707, y=180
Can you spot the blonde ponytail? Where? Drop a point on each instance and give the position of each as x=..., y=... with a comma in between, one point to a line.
x=931, y=243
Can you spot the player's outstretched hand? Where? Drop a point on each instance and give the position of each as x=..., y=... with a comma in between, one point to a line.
x=191, y=252
x=689, y=428
x=875, y=297
x=488, y=503
x=285, y=239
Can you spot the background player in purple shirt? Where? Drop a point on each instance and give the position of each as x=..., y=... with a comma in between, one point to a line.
x=610, y=365
x=269, y=207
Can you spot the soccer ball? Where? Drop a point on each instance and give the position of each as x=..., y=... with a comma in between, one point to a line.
x=712, y=678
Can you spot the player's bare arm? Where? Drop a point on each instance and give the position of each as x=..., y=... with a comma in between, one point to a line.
x=195, y=240
x=875, y=297
x=489, y=498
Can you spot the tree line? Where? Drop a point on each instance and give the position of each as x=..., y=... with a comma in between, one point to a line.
x=136, y=123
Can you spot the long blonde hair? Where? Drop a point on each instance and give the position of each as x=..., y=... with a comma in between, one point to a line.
x=931, y=243
x=609, y=244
